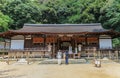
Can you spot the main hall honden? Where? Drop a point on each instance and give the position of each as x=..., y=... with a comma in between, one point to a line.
x=44, y=40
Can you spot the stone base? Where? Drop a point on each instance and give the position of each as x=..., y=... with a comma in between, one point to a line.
x=22, y=60
x=71, y=61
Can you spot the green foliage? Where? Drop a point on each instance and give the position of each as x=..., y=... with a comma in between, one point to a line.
x=71, y=11
x=111, y=15
x=116, y=42
x=106, y=12
x=62, y=11
x=5, y=21
x=22, y=11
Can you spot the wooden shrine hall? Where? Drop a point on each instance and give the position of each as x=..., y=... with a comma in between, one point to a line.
x=49, y=38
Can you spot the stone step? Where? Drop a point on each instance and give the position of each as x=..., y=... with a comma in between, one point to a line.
x=71, y=61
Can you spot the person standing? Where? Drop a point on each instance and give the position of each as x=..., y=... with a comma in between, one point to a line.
x=66, y=57
x=70, y=49
x=49, y=50
x=59, y=56
x=49, y=47
x=79, y=47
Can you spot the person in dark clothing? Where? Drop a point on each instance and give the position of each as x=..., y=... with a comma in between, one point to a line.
x=66, y=57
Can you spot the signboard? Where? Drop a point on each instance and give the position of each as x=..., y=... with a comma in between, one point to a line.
x=38, y=40
x=51, y=40
x=92, y=39
x=80, y=39
x=65, y=38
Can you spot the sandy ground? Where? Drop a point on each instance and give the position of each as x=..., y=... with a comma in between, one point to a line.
x=35, y=70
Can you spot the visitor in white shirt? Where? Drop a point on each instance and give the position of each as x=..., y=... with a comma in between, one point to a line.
x=59, y=56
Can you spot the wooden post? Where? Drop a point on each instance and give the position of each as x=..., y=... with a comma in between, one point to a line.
x=94, y=50
x=88, y=52
x=94, y=54
x=109, y=54
x=14, y=54
x=99, y=54
x=116, y=53
x=7, y=61
x=3, y=54
x=27, y=57
x=17, y=55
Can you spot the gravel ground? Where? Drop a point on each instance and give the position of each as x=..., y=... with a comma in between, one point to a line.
x=36, y=70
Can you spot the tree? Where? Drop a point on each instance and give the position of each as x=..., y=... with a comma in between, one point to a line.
x=111, y=15
x=5, y=22
x=106, y=12
x=72, y=11
x=116, y=42
x=22, y=11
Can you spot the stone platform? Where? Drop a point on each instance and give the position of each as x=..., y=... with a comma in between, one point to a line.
x=71, y=61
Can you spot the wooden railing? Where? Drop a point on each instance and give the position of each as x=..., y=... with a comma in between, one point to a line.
x=33, y=52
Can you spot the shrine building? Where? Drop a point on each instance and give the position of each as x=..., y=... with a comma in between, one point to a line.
x=54, y=37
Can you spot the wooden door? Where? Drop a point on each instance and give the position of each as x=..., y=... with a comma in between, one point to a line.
x=28, y=43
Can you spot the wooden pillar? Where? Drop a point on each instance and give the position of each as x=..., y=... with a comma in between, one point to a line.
x=94, y=50
x=88, y=52
x=44, y=41
x=10, y=44
x=72, y=43
x=17, y=55
x=86, y=43
x=41, y=54
x=53, y=54
x=98, y=42
x=76, y=44
x=58, y=45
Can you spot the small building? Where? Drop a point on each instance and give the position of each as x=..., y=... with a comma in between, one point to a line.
x=54, y=37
